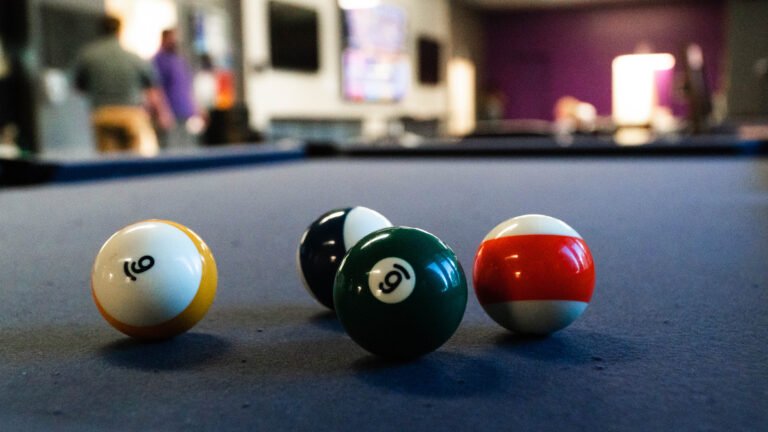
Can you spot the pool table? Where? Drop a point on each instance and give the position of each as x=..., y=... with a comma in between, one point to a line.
x=675, y=337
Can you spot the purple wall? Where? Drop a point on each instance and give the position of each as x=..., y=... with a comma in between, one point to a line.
x=537, y=57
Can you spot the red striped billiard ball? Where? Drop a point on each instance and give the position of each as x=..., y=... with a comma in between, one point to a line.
x=534, y=274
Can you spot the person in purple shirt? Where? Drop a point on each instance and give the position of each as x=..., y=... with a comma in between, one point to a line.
x=175, y=76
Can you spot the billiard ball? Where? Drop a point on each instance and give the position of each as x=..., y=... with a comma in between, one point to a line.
x=534, y=274
x=326, y=241
x=154, y=279
x=400, y=292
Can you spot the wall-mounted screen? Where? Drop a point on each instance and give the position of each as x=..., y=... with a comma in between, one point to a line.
x=293, y=37
x=428, y=52
x=375, y=63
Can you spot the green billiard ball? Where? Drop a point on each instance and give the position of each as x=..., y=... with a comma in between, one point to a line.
x=400, y=292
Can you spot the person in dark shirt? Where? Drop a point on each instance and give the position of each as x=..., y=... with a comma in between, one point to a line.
x=118, y=84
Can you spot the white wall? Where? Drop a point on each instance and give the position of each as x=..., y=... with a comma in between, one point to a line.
x=272, y=93
x=64, y=128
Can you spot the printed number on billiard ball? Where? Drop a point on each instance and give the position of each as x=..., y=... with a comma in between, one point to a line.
x=391, y=280
x=131, y=269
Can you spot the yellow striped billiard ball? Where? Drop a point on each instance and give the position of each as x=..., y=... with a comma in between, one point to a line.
x=154, y=279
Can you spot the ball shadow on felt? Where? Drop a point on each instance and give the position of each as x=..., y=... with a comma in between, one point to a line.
x=184, y=351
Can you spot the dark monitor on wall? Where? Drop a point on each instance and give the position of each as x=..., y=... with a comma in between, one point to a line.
x=428, y=51
x=293, y=37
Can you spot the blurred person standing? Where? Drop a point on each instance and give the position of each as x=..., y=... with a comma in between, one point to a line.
x=118, y=84
x=176, y=79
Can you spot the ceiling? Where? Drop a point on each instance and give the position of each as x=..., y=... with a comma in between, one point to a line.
x=540, y=4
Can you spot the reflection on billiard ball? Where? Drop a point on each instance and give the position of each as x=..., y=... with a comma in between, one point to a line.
x=154, y=279
x=534, y=274
x=326, y=241
x=400, y=292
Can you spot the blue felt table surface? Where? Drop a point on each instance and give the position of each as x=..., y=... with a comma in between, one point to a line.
x=676, y=336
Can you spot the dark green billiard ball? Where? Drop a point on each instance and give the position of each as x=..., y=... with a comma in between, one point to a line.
x=400, y=292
